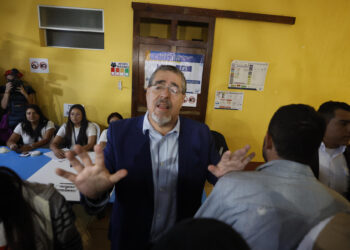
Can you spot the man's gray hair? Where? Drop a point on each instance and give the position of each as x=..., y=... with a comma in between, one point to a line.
x=171, y=69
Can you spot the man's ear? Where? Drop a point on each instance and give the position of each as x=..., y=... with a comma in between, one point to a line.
x=268, y=141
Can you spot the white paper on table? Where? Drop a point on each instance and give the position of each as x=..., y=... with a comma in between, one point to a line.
x=47, y=174
x=52, y=155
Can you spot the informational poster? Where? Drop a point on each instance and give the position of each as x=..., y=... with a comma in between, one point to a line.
x=191, y=66
x=120, y=69
x=228, y=100
x=248, y=75
x=190, y=100
x=39, y=65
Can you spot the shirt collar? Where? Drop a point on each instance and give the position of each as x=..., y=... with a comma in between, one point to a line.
x=148, y=126
x=286, y=167
x=337, y=151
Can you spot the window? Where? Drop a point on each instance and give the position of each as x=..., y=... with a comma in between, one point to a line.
x=69, y=27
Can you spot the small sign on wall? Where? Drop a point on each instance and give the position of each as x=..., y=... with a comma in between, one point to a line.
x=190, y=100
x=248, y=75
x=39, y=65
x=66, y=107
x=228, y=100
x=120, y=69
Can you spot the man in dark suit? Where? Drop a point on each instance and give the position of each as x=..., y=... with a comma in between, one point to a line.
x=158, y=164
x=334, y=152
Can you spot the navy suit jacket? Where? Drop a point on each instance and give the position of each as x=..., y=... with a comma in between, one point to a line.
x=128, y=148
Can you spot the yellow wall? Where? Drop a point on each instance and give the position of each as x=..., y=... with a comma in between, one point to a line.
x=308, y=61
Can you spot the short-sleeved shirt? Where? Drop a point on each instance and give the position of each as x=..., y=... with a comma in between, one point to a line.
x=17, y=105
x=27, y=139
x=103, y=137
x=90, y=131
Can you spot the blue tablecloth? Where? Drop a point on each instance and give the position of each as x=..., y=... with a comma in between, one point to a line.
x=27, y=166
x=24, y=166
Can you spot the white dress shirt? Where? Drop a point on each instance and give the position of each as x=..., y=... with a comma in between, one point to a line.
x=333, y=168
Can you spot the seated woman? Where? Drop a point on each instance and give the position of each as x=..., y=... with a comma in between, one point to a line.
x=111, y=118
x=36, y=131
x=77, y=130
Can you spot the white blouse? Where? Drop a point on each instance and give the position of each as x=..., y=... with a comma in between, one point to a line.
x=90, y=131
x=27, y=139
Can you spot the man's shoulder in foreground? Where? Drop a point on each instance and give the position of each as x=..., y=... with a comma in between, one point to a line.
x=260, y=204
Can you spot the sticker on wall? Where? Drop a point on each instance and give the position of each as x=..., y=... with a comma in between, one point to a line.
x=66, y=107
x=39, y=65
x=120, y=69
x=247, y=75
x=228, y=100
x=190, y=100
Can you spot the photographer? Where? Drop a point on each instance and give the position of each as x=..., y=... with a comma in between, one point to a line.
x=15, y=97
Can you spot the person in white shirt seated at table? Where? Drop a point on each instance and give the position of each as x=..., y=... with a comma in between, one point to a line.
x=115, y=116
x=77, y=130
x=36, y=131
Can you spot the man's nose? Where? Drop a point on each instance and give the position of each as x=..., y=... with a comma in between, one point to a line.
x=165, y=91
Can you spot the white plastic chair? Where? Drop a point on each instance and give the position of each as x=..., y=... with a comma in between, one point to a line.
x=98, y=131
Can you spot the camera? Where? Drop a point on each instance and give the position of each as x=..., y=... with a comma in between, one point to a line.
x=15, y=84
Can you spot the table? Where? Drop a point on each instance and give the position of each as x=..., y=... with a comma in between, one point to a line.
x=41, y=169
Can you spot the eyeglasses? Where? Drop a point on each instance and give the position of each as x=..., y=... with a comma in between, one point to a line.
x=173, y=89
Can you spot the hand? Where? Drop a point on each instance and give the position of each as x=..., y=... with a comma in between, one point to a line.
x=59, y=153
x=13, y=146
x=91, y=180
x=21, y=90
x=8, y=87
x=26, y=148
x=235, y=161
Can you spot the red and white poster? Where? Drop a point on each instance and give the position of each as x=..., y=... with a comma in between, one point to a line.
x=39, y=65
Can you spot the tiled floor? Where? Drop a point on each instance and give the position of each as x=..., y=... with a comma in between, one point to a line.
x=93, y=231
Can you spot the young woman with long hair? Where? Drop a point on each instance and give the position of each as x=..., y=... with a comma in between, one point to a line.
x=77, y=130
x=36, y=131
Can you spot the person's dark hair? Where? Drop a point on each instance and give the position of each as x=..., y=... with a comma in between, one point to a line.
x=27, y=127
x=203, y=234
x=327, y=109
x=171, y=69
x=114, y=114
x=82, y=139
x=15, y=212
x=297, y=131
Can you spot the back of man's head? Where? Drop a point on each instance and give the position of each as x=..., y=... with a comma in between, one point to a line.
x=297, y=131
x=201, y=233
x=327, y=109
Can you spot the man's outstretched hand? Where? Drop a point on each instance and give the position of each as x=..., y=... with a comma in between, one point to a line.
x=235, y=161
x=91, y=180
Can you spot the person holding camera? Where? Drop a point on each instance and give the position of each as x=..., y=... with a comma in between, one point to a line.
x=15, y=97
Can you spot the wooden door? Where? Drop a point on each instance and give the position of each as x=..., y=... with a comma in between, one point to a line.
x=173, y=39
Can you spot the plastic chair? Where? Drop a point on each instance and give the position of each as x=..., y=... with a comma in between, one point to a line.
x=98, y=131
x=220, y=142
